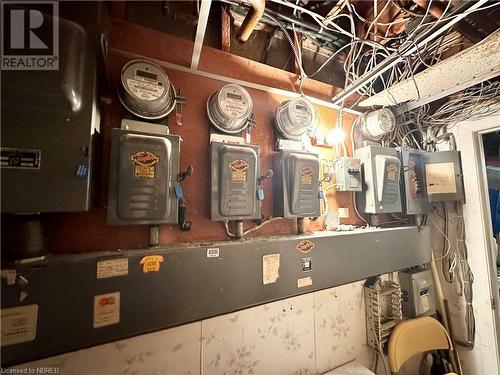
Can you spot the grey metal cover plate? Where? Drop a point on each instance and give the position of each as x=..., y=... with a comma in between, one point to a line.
x=193, y=284
x=123, y=188
x=234, y=170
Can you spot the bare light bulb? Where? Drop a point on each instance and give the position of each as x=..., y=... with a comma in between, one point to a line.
x=335, y=137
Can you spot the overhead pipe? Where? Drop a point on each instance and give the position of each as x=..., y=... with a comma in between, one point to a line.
x=251, y=19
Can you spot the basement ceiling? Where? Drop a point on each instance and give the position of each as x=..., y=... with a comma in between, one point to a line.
x=360, y=34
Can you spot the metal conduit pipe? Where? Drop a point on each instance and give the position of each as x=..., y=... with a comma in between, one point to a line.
x=251, y=20
x=338, y=39
x=308, y=28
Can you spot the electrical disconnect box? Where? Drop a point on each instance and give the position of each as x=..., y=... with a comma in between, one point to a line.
x=143, y=174
x=414, y=192
x=296, y=184
x=443, y=176
x=348, y=174
x=418, y=293
x=234, y=179
x=50, y=123
x=381, y=175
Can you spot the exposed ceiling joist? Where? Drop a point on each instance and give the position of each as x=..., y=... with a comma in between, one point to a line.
x=406, y=50
x=467, y=68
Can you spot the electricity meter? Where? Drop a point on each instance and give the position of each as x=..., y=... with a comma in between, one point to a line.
x=145, y=90
x=294, y=117
x=377, y=123
x=229, y=108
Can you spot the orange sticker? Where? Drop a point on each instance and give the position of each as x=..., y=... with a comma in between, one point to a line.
x=306, y=175
x=305, y=246
x=151, y=263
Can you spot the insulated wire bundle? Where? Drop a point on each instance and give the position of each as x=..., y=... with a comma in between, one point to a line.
x=424, y=130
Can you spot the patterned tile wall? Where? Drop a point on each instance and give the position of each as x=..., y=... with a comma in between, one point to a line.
x=308, y=334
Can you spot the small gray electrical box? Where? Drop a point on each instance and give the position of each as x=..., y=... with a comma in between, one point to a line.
x=234, y=174
x=142, y=176
x=381, y=177
x=296, y=184
x=414, y=192
x=418, y=293
x=443, y=176
x=348, y=174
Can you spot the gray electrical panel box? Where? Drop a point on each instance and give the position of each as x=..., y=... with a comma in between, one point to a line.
x=414, y=192
x=443, y=176
x=234, y=174
x=348, y=174
x=418, y=293
x=296, y=184
x=50, y=125
x=142, y=176
x=381, y=176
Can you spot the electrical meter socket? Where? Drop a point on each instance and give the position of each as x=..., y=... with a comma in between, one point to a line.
x=234, y=174
x=381, y=171
x=296, y=184
x=142, y=176
x=145, y=90
x=294, y=117
x=229, y=108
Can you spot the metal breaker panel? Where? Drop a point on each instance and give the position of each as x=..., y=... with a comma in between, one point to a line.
x=143, y=174
x=234, y=174
x=418, y=293
x=444, y=177
x=348, y=174
x=381, y=177
x=296, y=184
x=414, y=192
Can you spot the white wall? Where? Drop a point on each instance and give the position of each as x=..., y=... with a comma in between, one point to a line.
x=484, y=358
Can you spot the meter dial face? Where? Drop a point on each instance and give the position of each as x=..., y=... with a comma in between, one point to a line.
x=144, y=81
x=234, y=102
x=301, y=114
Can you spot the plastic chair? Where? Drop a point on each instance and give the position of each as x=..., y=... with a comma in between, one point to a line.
x=415, y=336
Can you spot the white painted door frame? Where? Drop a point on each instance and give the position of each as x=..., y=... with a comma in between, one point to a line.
x=485, y=357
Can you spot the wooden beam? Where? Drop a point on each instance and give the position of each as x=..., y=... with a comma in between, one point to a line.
x=225, y=29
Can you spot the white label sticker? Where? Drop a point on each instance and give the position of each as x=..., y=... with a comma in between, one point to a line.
x=440, y=178
x=305, y=281
x=145, y=90
x=213, y=252
x=112, y=268
x=424, y=300
x=270, y=268
x=106, y=309
x=18, y=324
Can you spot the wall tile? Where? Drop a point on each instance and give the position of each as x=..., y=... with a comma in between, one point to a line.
x=174, y=351
x=340, y=327
x=277, y=338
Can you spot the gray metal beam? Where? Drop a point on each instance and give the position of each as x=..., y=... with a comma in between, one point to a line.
x=194, y=283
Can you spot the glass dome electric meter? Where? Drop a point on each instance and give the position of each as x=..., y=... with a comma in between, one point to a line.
x=145, y=90
x=294, y=117
x=229, y=108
